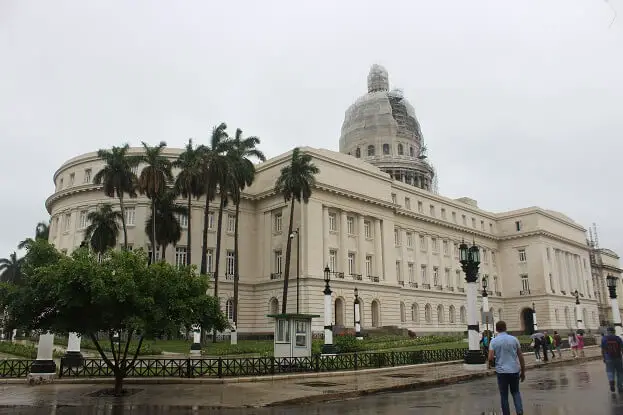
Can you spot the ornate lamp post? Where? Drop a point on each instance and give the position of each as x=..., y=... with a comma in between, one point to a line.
x=327, y=347
x=578, y=311
x=470, y=261
x=298, y=264
x=485, y=299
x=535, y=326
x=357, y=316
x=611, y=281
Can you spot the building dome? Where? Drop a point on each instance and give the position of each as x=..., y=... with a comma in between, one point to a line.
x=381, y=127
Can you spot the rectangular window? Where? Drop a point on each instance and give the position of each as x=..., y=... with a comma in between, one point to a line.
x=130, y=216
x=231, y=223
x=150, y=253
x=548, y=256
x=367, y=229
x=283, y=331
x=72, y=178
x=350, y=225
x=423, y=246
x=435, y=276
x=368, y=265
x=464, y=220
x=443, y=213
x=396, y=237
x=493, y=257
x=301, y=333
x=332, y=222
x=352, y=269
x=485, y=256
x=60, y=184
x=130, y=247
x=447, y=276
x=398, y=273
x=277, y=266
x=183, y=220
x=435, y=244
x=277, y=222
x=333, y=260
x=446, y=248
x=482, y=225
x=424, y=274
x=583, y=259
x=67, y=221
x=394, y=198
x=410, y=239
x=459, y=280
x=522, y=255
x=211, y=220
x=407, y=203
x=525, y=284
x=87, y=176
x=432, y=210
x=230, y=262
x=180, y=256
x=474, y=223
x=420, y=207
x=411, y=269
x=518, y=225
x=454, y=217
x=83, y=219
x=496, y=284
x=490, y=227
x=209, y=259
x=456, y=250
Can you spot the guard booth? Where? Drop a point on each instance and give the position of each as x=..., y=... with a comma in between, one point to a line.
x=293, y=336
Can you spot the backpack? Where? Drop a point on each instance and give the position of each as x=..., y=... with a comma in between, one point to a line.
x=613, y=346
x=485, y=341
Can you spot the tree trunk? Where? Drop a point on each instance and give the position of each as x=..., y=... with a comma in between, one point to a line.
x=236, y=268
x=163, y=249
x=204, y=247
x=188, y=230
x=286, y=272
x=218, y=254
x=125, y=228
x=153, y=230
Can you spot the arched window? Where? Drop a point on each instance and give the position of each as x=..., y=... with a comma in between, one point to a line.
x=358, y=152
x=567, y=318
x=452, y=316
x=339, y=312
x=385, y=148
x=594, y=318
x=229, y=309
x=274, y=306
x=401, y=150
x=440, y=314
x=415, y=313
x=411, y=151
x=557, y=315
x=370, y=150
x=428, y=313
x=403, y=313
x=463, y=315
x=376, y=314
x=500, y=314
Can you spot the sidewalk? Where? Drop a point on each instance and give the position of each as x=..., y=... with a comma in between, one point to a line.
x=267, y=391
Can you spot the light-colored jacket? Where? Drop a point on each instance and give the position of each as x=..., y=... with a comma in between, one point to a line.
x=573, y=341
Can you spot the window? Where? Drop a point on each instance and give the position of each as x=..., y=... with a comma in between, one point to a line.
x=351, y=263
x=423, y=243
x=231, y=223
x=407, y=203
x=427, y=313
x=301, y=330
x=398, y=271
x=474, y=223
x=401, y=149
x=87, y=176
x=229, y=309
x=60, y=183
x=464, y=220
x=485, y=256
x=411, y=151
x=358, y=152
x=350, y=225
x=435, y=244
x=443, y=213
x=180, y=256
x=435, y=276
x=525, y=284
x=278, y=261
x=403, y=314
x=211, y=220
x=396, y=237
x=394, y=201
x=209, y=259
x=424, y=274
x=551, y=282
x=459, y=280
x=522, y=255
x=332, y=222
x=83, y=219
x=415, y=313
x=385, y=148
x=368, y=265
x=432, y=210
x=446, y=273
x=446, y=248
x=482, y=225
x=183, y=220
x=410, y=239
x=451, y=314
x=72, y=178
x=420, y=207
x=548, y=257
x=490, y=227
x=496, y=284
x=150, y=253
x=67, y=221
x=130, y=216
x=130, y=247
x=283, y=331
x=370, y=151
x=277, y=222
x=366, y=229
x=456, y=250
x=493, y=257
x=454, y=217
x=333, y=260
x=583, y=259
x=411, y=270
x=518, y=225
x=230, y=263
x=440, y=313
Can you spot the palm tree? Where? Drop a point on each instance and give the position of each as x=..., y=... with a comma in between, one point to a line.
x=117, y=178
x=243, y=174
x=295, y=184
x=189, y=183
x=42, y=231
x=153, y=181
x=168, y=229
x=11, y=269
x=103, y=228
x=211, y=160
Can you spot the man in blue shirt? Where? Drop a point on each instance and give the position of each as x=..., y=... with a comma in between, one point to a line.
x=611, y=350
x=509, y=366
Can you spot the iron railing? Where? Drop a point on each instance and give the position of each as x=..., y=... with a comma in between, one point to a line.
x=15, y=368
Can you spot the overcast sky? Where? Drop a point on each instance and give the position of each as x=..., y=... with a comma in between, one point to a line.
x=520, y=103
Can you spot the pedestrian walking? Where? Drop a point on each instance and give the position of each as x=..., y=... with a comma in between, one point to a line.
x=558, y=343
x=545, y=344
x=484, y=341
x=536, y=345
x=573, y=344
x=580, y=337
x=612, y=353
x=510, y=367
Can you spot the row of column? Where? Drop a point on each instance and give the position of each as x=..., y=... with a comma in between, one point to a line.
x=569, y=273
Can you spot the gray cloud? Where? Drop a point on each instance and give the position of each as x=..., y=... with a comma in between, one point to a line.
x=520, y=103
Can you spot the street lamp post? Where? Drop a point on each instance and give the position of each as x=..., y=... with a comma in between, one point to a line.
x=357, y=316
x=614, y=304
x=535, y=326
x=327, y=347
x=298, y=264
x=578, y=311
x=485, y=300
x=470, y=261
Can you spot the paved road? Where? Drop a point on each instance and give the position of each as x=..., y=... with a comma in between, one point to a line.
x=570, y=390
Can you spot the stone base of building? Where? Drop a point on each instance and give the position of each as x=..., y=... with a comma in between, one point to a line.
x=73, y=359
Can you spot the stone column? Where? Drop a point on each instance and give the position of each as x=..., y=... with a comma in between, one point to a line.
x=73, y=357
x=267, y=248
x=378, y=248
x=343, y=240
x=579, y=317
x=405, y=263
x=361, y=251
x=44, y=368
x=325, y=235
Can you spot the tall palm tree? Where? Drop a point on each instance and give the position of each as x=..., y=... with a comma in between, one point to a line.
x=189, y=184
x=103, y=228
x=168, y=229
x=211, y=160
x=153, y=181
x=295, y=184
x=42, y=231
x=117, y=178
x=11, y=269
x=243, y=174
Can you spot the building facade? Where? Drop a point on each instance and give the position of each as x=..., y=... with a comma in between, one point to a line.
x=377, y=224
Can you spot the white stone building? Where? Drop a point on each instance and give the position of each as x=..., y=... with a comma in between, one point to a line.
x=375, y=221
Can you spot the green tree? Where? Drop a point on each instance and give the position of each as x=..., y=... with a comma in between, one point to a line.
x=168, y=229
x=117, y=178
x=189, y=184
x=11, y=269
x=42, y=231
x=295, y=183
x=120, y=295
x=242, y=175
x=153, y=181
x=103, y=229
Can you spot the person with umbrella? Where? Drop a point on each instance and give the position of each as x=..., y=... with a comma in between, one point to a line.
x=537, y=343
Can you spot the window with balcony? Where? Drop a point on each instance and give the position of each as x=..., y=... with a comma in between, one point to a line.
x=394, y=200
x=446, y=248
x=352, y=269
x=350, y=225
x=368, y=265
x=410, y=239
x=333, y=260
x=231, y=223
x=87, y=176
x=435, y=244
x=367, y=228
x=211, y=220
x=525, y=284
x=424, y=274
x=332, y=222
x=396, y=237
x=423, y=246
x=474, y=223
x=278, y=262
x=130, y=216
x=183, y=220
x=432, y=210
x=67, y=222
x=436, y=276
x=277, y=222
x=411, y=270
x=230, y=263
x=482, y=225
x=522, y=255
x=83, y=219
x=443, y=213
x=464, y=220
x=72, y=178
x=420, y=207
x=209, y=259
x=398, y=271
x=407, y=203
x=180, y=256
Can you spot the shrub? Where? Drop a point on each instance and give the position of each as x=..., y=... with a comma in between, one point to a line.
x=348, y=344
x=24, y=350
